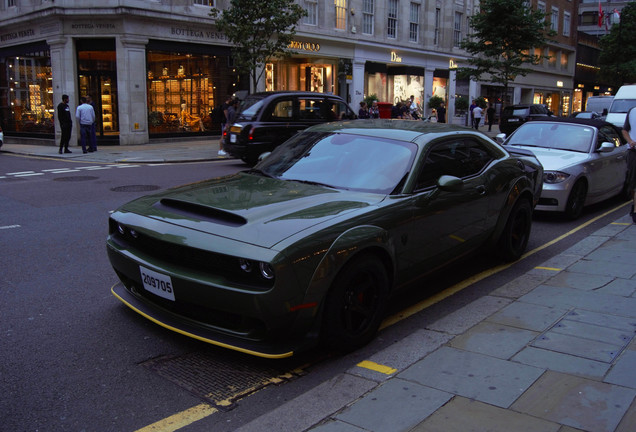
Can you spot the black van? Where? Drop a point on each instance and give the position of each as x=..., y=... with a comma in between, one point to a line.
x=514, y=116
x=268, y=119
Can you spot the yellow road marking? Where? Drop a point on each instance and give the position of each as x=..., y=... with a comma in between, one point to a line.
x=620, y=223
x=199, y=412
x=181, y=419
x=377, y=367
x=548, y=268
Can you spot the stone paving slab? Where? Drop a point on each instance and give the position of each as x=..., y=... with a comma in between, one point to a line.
x=473, y=375
x=585, y=348
x=528, y=316
x=577, y=402
x=523, y=284
x=624, y=371
x=465, y=415
x=582, y=281
x=493, y=339
x=612, y=321
x=593, y=332
x=617, y=269
x=561, y=362
x=336, y=426
x=563, y=297
x=471, y=314
x=407, y=402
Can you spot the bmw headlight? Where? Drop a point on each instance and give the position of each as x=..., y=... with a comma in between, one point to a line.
x=552, y=177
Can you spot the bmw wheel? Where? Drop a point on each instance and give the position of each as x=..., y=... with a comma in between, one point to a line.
x=576, y=200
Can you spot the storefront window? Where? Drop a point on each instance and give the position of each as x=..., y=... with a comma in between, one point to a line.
x=184, y=88
x=26, y=92
x=299, y=75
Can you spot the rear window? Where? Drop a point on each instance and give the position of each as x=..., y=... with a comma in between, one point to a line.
x=512, y=111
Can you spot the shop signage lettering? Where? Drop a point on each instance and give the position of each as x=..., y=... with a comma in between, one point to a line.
x=17, y=35
x=197, y=34
x=395, y=58
x=305, y=46
x=92, y=26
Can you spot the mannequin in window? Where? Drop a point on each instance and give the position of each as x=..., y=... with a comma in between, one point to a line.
x=188, y=121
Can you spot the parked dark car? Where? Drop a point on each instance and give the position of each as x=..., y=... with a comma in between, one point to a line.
x=514, y=116
x=309, y=245
x=266, y=120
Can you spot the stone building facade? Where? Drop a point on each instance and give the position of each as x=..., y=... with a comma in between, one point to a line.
x=157, y=68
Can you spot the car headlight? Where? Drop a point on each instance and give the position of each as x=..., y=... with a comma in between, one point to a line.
x=552, y=177
x=265, y=270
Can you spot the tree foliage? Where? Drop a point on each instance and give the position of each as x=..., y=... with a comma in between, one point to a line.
x=618, y=49
x=505, y=34
x=260, y=30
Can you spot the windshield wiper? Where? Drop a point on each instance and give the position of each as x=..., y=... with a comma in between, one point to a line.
x=310, y=182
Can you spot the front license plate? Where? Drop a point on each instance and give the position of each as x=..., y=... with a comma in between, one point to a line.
x=232, y=138
x=157, y=283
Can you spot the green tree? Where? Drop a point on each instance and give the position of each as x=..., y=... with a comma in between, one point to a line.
x=618, y=49
x=260, y=30
x=505, y=34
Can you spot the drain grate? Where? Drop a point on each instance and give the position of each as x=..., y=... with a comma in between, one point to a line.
x=221, y=381
x=135, y=188
x=75, y=178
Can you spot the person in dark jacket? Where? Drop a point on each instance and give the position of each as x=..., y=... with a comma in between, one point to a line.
x=66, y=123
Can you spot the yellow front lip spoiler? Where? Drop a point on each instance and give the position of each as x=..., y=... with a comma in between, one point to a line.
x=196, y=336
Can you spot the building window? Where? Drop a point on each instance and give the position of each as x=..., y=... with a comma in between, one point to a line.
x=541, y=7
x=311, y=7
x=392, y=10
x=566, y=23
x=457, y=31
x=438, y=12
x=414, y=23
x=367, y=16
x=204, y=2
x=554, y=21
x=341, y=14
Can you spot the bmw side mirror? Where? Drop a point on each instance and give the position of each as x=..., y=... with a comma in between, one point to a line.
x=606, y=147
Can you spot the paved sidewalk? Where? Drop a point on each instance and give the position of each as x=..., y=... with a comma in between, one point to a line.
x=552, y=350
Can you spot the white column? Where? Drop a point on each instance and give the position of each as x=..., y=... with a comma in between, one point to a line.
x=452, y=89
x=63, y=62
x=356, y=89
x=428, y=90
x=131, y=90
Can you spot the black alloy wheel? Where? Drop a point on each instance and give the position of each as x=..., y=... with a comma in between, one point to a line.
x=514, y=238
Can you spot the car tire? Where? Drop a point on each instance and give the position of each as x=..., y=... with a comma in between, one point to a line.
x=355, y=304
x=576, y=200
x=514, y=238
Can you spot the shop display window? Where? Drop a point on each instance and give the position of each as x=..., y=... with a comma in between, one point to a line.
x=183, y=89
x=26, y=93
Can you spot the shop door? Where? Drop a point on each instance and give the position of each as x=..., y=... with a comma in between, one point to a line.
x=97, y=77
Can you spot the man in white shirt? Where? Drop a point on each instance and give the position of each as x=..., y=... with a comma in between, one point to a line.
x=629, y=133
x=477, y=113
x=85, y=115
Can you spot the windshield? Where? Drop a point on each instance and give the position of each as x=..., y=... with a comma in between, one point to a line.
x=250, y=108
x=622, y=105
x=342, y=161
x=558, y=136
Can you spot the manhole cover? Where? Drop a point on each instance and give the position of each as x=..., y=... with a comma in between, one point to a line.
x=221, y=381
x=75, y=178
x=135, y=188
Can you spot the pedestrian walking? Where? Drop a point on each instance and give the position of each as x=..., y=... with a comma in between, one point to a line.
x=477, y=114
x=629, y=133
x=85, y=116
x=490, y=116
x=66, y=123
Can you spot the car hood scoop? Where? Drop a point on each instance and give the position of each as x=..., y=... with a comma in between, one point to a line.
x=251, y=209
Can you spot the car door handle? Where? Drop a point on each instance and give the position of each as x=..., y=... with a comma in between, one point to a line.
x=481, y=189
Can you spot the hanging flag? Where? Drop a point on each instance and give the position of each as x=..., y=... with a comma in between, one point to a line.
x=600, y=14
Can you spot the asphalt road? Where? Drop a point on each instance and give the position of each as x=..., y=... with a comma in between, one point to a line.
x=73, y=358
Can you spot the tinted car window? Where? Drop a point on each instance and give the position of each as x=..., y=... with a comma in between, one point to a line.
x=310, y=109
x=460, y=158
x=250, y=108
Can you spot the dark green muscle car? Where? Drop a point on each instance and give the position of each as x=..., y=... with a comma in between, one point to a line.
x=308, y=245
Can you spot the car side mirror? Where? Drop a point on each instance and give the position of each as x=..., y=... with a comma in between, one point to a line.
x=606, y=147
x=450, y=183
x=500, y=138
x=264, y=155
